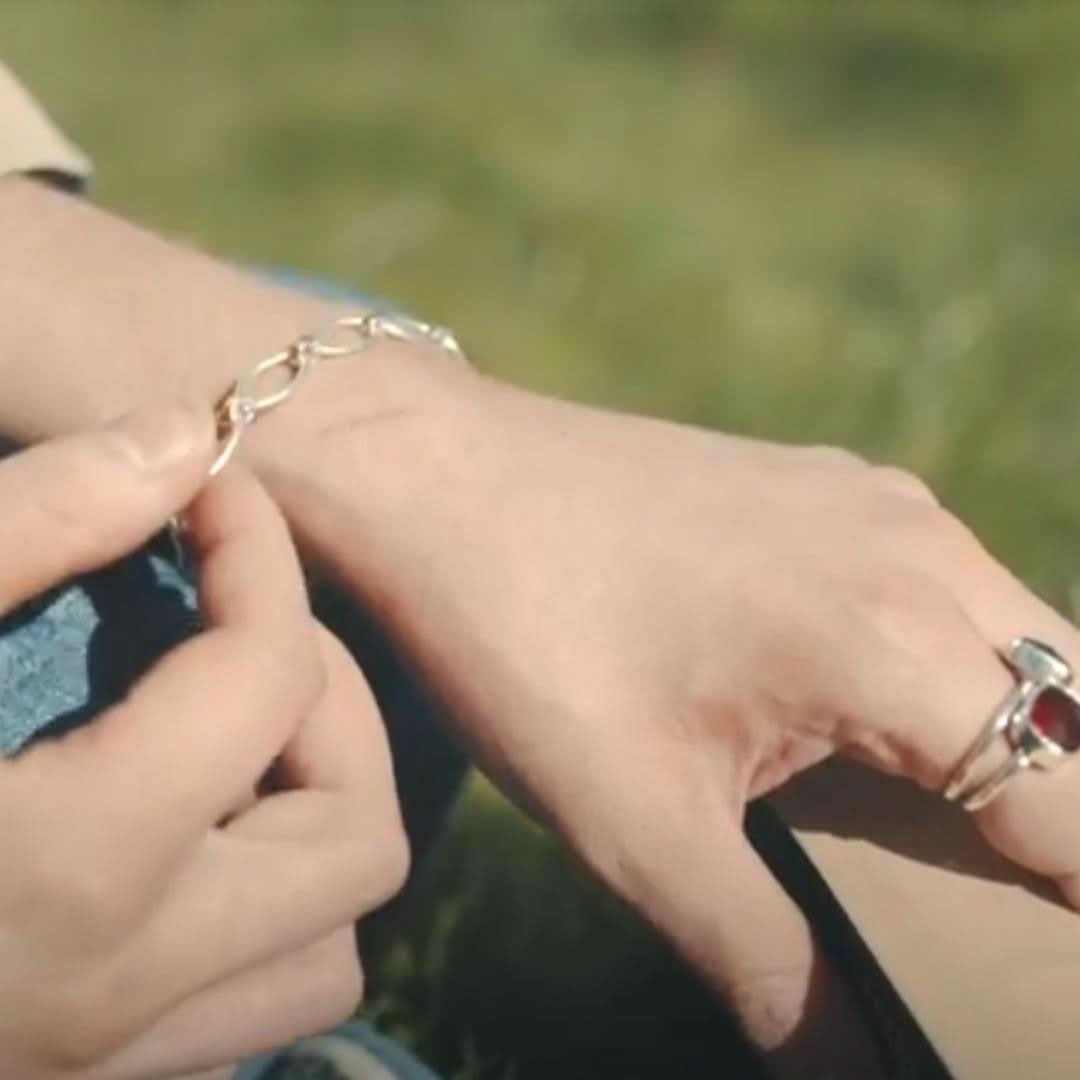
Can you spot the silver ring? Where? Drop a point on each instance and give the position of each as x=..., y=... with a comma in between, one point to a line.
x=1039, y=719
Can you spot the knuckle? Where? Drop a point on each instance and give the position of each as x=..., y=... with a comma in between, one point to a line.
x=934, y=531
x=397, y=863
x=299, y=656
x=955, y=537
x=298, y=679
x=895, y=590
x=335, y=982
x=835, y=457
x=316, y=679
x=384, y=871
x=913, y=608
x=97, y=902
x=343, y=987
x=903, y=482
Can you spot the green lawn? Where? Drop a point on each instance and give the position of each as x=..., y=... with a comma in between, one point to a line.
x=848, y=222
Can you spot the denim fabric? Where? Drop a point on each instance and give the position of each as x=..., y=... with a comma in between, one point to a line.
x=68, y=655
x=396, y=1061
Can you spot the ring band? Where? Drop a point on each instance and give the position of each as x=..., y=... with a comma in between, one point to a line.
x=993, y=784
x=994, y=728
x=1039, y=719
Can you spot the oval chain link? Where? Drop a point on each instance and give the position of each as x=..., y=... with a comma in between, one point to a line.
x=242, y=404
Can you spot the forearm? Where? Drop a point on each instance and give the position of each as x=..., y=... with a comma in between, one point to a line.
x=99, y=315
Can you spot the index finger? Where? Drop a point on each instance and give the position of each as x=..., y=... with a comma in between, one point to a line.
x=207, y=720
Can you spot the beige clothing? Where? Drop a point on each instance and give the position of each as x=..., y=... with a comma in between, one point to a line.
x=29, y=142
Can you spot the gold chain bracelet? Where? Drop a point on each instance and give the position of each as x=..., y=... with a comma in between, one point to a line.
x=243, y=403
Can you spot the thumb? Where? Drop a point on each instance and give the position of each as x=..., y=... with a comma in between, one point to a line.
x=79, y=502
x=732, y=920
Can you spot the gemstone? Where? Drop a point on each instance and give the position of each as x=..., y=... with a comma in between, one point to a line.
x=1056, y=717
x=1039, y=661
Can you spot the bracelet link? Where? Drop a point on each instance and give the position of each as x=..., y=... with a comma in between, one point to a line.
x=242, y=404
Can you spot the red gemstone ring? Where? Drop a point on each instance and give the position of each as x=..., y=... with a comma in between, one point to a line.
x=1039, y=720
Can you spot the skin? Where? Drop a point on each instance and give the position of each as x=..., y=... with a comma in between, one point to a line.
x=129, y=841
x=641, y=627
x=638, y=626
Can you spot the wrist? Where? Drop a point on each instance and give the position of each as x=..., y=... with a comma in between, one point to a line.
x=376, y=428
x=101, y=316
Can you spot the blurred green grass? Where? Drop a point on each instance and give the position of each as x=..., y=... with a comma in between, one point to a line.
x=806, y=220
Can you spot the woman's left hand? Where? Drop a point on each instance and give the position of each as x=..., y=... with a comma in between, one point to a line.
x=641, y=626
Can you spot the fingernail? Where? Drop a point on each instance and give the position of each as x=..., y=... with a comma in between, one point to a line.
x=158, y=438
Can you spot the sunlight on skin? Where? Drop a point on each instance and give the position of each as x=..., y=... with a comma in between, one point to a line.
x=880, y=301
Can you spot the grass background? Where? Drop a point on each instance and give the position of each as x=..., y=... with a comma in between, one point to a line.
x=819, y=221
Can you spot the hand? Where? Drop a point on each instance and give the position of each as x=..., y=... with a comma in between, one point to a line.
x=642, y=626
x=639, y=625
x=146, y=925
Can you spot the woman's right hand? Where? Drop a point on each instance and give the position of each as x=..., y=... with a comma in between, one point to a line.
x=148, y=926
